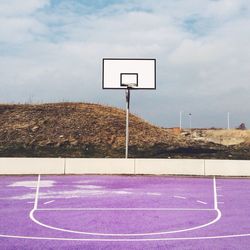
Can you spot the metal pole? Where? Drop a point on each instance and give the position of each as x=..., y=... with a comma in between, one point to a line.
x=228, y=120
x=190, y=121
x=180, y=119
x=127, y=120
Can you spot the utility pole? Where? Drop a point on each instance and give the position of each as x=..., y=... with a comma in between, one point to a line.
x=190, y=121
x=228, y=120
x=180, y=119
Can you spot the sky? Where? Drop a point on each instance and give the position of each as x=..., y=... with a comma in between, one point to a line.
x=52, y=50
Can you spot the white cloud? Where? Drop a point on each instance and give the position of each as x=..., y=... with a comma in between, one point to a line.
x=19, y=30
x=201, y=48
x=225, y=8
x=22, y=8
x=196, y=52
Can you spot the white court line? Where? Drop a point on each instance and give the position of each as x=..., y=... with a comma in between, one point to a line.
x=37, y=192
x=48, y=202
x=215, y=195
x=126, y=239
x=124, y=209
x=202, y=202
x=32, y=217
x=179, y=197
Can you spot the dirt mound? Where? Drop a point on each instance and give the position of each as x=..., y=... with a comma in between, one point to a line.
x=227, y=137
x=92, y=130
x=89, y=127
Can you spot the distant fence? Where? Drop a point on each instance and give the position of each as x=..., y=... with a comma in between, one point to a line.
x=23, y=166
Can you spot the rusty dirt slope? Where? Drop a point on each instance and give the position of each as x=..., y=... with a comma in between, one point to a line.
x=93, y=130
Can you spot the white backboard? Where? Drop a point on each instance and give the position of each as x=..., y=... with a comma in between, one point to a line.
x=119, y=73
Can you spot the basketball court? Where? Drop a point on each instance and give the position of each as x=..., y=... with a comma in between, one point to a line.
x=121, y=212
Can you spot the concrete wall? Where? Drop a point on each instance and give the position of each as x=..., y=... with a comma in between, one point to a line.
x=169, y=166
x=99, y=166
x=123, y=166
x=227, y=167
x=32, y=166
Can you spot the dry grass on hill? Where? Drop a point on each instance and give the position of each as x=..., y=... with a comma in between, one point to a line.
x=92, y=130
x=75, y=124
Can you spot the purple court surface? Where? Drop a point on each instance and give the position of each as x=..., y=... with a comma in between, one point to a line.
x=124, y=212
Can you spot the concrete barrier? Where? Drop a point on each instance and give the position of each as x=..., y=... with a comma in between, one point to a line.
x=227, y=167
x=20, y=166
x=169, y=166
x=99, y=166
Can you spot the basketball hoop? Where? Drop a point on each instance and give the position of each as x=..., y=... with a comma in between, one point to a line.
x=122, y=73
